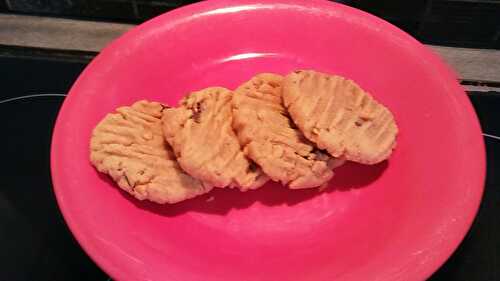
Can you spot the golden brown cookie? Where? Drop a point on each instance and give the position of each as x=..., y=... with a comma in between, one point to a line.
x=129, y=146
x=337, y=115
x=271, y=139
x=200, y=132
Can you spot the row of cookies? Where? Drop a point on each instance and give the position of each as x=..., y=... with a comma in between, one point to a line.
x=294, y=129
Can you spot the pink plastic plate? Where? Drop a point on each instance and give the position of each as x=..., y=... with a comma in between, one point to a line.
x=399, y=220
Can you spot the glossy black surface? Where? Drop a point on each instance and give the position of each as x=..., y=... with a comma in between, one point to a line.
x=35, y=242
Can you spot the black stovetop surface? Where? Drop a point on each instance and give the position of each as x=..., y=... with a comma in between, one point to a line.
x=35, y=242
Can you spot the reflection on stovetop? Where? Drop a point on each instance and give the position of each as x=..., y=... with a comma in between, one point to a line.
x=37, y=245
x=35, y=242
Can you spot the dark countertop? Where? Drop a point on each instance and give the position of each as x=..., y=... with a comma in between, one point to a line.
x=37, y=245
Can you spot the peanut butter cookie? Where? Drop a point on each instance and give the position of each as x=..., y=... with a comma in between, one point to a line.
x=270, y=138
x=128, y=145
x=337, y=115
x=200, y=132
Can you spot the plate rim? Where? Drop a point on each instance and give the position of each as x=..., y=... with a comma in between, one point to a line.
x=205, y=6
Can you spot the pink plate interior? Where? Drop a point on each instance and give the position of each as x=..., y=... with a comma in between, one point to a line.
x=398, y=220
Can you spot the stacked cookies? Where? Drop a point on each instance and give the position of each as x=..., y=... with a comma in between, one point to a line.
x=294, y=130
